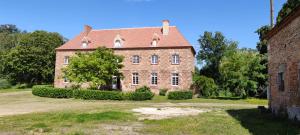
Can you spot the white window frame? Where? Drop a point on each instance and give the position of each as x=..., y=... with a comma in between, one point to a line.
x=118, y=43
x=135, y=59
x=175, y=59
x=154, y=43
x=66, y=60
x=154, y=59
x=154, y=78
x=84, y=44
x=135, y=79
x=175, y=79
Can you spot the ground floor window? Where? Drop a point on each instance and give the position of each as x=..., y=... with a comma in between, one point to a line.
x=135, y=78
x=66, y=80
x=154, y=78
x=175, y=79
x=281, y=81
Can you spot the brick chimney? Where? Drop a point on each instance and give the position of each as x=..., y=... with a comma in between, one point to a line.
x=87, y=29
x=165, y=27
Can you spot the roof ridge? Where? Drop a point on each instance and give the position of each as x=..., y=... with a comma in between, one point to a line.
x=129, y=28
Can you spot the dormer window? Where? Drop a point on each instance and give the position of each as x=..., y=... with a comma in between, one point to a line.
x=154, y=43
x=84, y=42
x=155, y=40
x=118, y=43
x=84, y=45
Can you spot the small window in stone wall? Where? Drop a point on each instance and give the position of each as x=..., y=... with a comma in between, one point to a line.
x=298, y=79
x=281, y=75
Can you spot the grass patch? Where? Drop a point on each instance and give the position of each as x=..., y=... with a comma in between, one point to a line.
x=13, y=90
x=253, y=101
x=54, y=122
x=231, y=122
x=103, y=116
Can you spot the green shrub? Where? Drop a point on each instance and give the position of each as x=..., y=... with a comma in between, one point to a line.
x=4, y=84
x=143, y=89
x=98, y=95
x=205, y=86
x=163, y=92
x=139, y=96
x=180, y=95
x=48, y=91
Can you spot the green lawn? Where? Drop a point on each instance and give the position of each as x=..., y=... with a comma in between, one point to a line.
x=12, y=90
x=72, y=116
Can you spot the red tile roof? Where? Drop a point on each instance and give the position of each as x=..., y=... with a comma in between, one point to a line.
x=132, y=38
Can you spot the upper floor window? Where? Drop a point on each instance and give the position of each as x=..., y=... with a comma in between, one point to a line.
x=175, y=79
x=135, y=78
x=135, y=59
x=175, y=59
x=154, y=78
x=66, y=60
x=118, y=43
x=154, y=59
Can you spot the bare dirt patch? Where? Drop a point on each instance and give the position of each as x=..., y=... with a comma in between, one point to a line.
x=166, y=112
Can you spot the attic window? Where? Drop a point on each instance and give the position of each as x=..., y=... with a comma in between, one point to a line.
x=84, y=44
x=154, y=43
x=118, y=43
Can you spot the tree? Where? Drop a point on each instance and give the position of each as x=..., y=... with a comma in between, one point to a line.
x=262, y=44
x=96, y=68
x=9, y=28
x=287, y=8
x=262, y=48
x=212, y=48
x=33, y=60
x=240, y=72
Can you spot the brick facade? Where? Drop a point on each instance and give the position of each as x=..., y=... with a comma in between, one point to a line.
x=137, y=41
x=284, y=57
x=164, y=68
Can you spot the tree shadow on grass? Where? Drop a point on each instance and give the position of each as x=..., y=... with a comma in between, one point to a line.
x=264, y=123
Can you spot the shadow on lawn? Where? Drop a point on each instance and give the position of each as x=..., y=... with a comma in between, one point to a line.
x=264, y=123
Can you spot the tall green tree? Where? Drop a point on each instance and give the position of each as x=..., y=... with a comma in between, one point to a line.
x=32, y=61
x=212, y=48
x=96, y=68
x=240, y=72
x=262, y=48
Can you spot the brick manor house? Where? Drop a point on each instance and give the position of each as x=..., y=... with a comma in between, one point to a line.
x=159, y=57
x=284, y=66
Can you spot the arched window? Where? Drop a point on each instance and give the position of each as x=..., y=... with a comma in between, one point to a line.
x=154, y=59
x=118, y=43
x=154, y=43
x=175, y=59
x=84, y=44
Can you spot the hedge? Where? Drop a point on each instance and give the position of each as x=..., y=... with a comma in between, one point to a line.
x=180, y=95
x=98, y=95
x=48, y=91
x=139, y=96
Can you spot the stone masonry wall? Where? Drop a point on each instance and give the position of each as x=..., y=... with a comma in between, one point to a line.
x=284, y=49
x=164, y=68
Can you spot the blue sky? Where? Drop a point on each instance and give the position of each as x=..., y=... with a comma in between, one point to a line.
x=236, y=19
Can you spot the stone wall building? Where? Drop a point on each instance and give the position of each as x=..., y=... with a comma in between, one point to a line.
x=159, y=57
x=284, y=66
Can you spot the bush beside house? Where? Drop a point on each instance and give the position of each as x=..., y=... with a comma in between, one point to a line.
x=140, y=94
x=180, y=95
